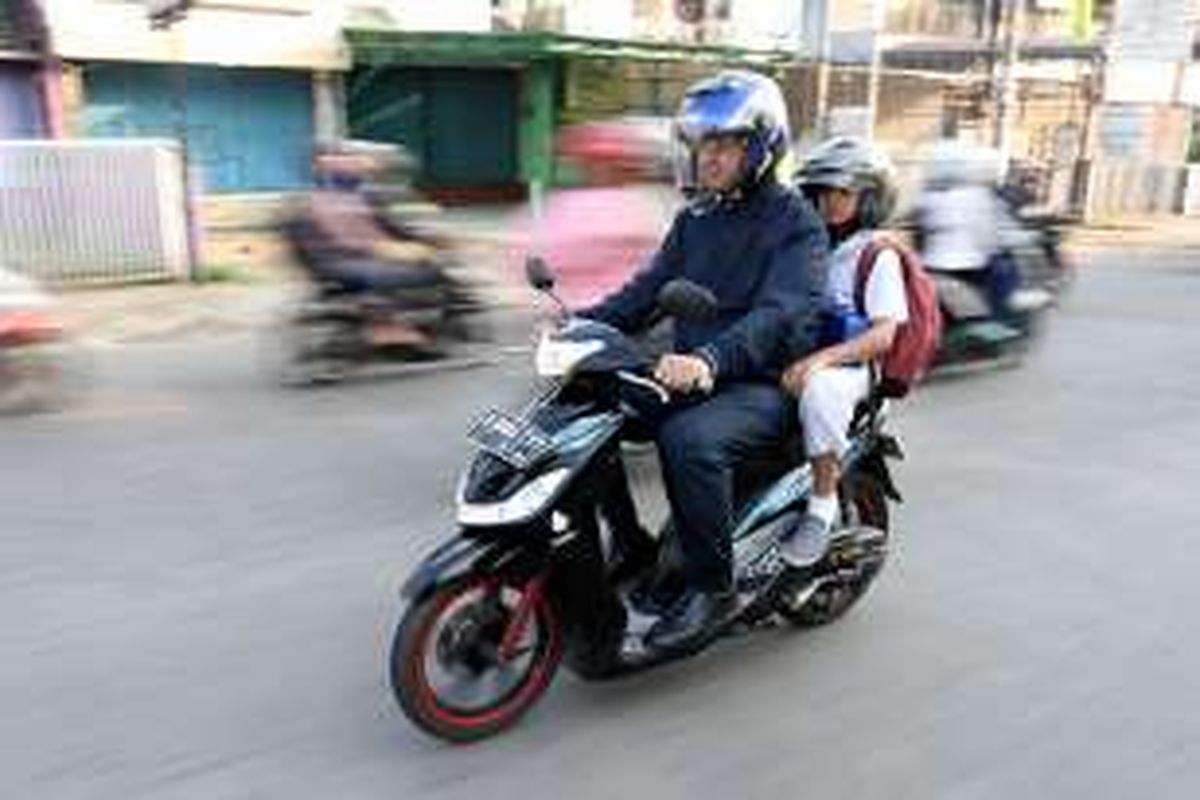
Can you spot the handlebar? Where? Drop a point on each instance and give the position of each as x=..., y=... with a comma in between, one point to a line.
x=646, y=383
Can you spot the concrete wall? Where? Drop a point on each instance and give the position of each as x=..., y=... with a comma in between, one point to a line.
x=290, y=34
x=1151, y=30
x=1144, y=131
x=433, y=15
x=1146, y=79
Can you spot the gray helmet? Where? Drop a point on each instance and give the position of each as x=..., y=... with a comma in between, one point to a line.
x=848, y=162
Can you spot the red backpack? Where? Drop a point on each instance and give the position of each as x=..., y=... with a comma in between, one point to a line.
x=916, y=341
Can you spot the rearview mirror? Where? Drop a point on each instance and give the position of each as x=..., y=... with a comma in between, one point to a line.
x=539, y=274
x=684, y=299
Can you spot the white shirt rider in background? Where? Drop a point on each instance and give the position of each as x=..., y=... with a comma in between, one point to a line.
x=852, y=185
x=959, y=225
x=958, y=210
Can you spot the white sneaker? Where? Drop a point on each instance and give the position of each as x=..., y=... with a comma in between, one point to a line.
x=1029, y=300
x=805, y=543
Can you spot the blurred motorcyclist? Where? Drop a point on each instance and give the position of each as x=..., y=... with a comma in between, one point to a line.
x=760, y=249
x=958, y=223
x=957, y=209
x=597, y=231
x=344, y=236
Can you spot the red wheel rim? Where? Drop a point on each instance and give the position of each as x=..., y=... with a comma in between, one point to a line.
x=512, y=702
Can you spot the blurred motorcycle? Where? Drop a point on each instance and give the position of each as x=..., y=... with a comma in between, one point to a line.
x=1037, y=240
x=975, y=333
x=32, y=344
x=998, y=269
x=343, y=325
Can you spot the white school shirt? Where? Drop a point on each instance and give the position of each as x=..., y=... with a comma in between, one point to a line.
x=884, y=296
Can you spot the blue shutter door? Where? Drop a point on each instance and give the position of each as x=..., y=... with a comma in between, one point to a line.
x=247, y=130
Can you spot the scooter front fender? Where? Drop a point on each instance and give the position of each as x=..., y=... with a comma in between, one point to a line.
x=462, y=555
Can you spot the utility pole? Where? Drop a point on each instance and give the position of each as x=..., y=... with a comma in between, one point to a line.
x=819, y=37
x=1013, y=18
x=875, y=76
x=820, y=18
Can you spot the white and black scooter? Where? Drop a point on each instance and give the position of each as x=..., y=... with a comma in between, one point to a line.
x=527, y=579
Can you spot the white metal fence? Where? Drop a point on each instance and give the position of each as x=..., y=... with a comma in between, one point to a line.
x=1133, y=187
x=93, y=212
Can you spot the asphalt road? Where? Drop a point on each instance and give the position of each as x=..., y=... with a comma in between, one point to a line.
x=198, y=578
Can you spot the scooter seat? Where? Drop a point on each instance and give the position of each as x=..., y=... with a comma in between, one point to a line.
x=755, y=473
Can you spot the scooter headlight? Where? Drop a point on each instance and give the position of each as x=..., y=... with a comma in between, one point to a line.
x=524, y=505
x=557, y=358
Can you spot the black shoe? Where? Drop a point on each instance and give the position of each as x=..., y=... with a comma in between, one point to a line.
x=634, y=561
x=656, y=592
x=695, y=615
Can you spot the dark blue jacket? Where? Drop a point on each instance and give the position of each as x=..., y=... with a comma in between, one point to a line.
x=764, y=259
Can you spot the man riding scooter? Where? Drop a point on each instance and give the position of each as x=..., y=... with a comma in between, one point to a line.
x=761, y=250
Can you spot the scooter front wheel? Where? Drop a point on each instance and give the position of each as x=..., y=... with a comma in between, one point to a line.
x=315, y=351
x=471, y=658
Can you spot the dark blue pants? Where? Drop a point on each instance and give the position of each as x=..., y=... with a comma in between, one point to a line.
x=700, y=446
x=366, y=275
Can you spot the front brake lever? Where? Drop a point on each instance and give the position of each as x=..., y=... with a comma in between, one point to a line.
x=646, y=383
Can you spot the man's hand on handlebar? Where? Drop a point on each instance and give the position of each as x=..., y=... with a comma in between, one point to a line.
x=682, y=373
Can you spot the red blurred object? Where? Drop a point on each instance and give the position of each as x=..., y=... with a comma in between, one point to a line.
x=611, y=142
x=28, y=327
x=596, y=237
x=607, y=225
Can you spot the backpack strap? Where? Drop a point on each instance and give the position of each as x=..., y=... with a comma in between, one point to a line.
x=862, y=273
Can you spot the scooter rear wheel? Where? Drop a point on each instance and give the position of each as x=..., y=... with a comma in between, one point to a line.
x=316, y=351
x=450, y=671
x=867, y=510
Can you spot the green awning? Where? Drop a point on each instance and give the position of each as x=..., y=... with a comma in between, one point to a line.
x=389, y=46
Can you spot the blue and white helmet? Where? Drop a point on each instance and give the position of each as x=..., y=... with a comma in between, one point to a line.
x=732, y=102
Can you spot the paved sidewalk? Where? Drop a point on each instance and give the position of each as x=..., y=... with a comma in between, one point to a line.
x=165, y=312
x=258, y=282
x=262, y=281
x=1158, y=232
